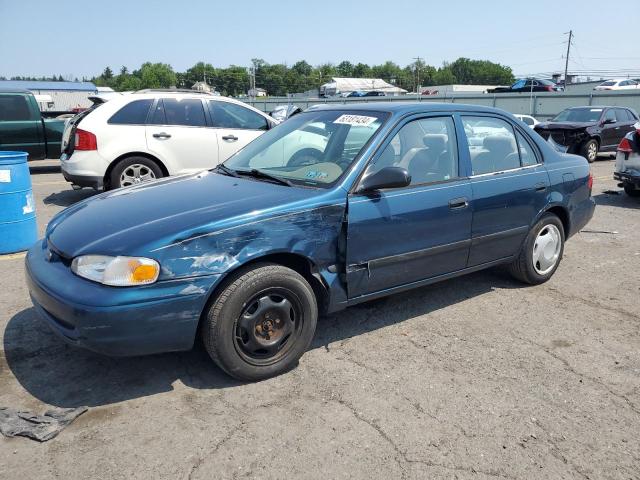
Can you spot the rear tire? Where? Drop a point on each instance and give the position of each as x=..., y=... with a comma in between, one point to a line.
x=132, y=171
x=590, y=150
x=261, y=323
x=541, y=253
x=631, y=191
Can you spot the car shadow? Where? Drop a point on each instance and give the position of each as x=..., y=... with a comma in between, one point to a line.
x=66, y=376
x=69, y=197
x=618, y=199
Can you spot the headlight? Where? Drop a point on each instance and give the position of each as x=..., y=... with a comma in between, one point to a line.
x=116, y=271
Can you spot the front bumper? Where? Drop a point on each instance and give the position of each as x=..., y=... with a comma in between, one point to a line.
x=156, y=318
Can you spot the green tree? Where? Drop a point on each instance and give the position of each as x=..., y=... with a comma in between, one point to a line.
x=345, y=69
x=157, y=75
x=362, y=70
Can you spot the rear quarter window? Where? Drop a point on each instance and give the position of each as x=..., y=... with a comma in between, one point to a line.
x=133, y=113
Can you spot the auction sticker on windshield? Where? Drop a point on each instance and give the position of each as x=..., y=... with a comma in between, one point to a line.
x=359, y=120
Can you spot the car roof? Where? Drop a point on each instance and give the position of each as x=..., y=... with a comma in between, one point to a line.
x=598, y=107
x=153, y=94
x=402, y=108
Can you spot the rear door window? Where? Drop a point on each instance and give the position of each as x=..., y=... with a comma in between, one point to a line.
x=133, y=113
x=621, y=115
x=492, y=144
x=230, y=115
x=187, y=112
x=14, y=108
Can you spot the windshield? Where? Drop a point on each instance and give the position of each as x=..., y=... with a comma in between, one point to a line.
x=608, y=83
x=312, y=148
x=579, y=115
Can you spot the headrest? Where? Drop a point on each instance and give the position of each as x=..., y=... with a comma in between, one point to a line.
x=435, y=141
x=499, y=143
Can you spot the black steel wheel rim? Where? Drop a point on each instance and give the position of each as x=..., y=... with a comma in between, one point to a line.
x=268, y=326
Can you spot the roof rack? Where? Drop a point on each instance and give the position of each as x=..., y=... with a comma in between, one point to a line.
x=172, y=90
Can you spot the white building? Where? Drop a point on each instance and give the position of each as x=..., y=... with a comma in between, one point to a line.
x=257, y=92
x=341, y=85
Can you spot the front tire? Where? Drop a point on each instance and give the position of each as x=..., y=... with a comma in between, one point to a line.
x=132, y=171
x=590, y=150
x=541, y=253
x=261, y=323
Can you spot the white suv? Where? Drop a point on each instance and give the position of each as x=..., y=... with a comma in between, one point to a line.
x=155, y=133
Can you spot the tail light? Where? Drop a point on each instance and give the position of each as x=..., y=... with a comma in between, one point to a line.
x=85, y=140
x=590, y=182
x=549, y=88
x=625, y=146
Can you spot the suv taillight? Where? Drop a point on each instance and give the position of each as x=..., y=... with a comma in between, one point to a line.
x=625, y=146
x=550, y=88
x=85, y=140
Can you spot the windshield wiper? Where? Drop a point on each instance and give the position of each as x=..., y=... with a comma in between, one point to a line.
x=254, y=172
x=226, y=170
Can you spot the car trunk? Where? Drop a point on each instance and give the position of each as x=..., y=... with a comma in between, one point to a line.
x=68, y=136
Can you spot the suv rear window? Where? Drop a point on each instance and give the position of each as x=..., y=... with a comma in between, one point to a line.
x=173, y=111
x=133, y=113
x=14, y=107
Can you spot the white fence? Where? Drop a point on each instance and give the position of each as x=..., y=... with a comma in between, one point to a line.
x=540, y=105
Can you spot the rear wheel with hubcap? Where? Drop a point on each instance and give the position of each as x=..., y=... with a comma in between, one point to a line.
x=261, y=322
x=134, y=170
x=541, y=253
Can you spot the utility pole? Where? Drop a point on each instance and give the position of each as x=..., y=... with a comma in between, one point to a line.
x=566, y=63
x=418, y=60
x=252, y=81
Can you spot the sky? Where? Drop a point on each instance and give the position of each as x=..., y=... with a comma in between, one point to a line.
x=79, y=38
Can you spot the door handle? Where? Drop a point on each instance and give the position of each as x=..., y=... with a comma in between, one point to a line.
x=230, y=138
x=458, y=203
x=161, y=135
x=540, y=187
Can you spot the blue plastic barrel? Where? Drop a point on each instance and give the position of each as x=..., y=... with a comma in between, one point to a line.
x=18, y=229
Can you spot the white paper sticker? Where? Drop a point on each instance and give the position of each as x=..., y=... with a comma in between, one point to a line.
x=29, y=207
x=5, y=176
x=358, y=120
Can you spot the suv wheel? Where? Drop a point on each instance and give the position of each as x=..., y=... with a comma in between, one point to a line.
x=261, y=322
x=590, y=150
x=132, y=171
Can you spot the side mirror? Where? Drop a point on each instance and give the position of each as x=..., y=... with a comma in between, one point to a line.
x=388, y=177
x=608, y=121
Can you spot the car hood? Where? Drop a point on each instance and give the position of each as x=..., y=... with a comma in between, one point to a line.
x=565, y=125
x=136, y=220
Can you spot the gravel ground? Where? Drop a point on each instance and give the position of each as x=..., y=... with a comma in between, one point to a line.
x=477, y=377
